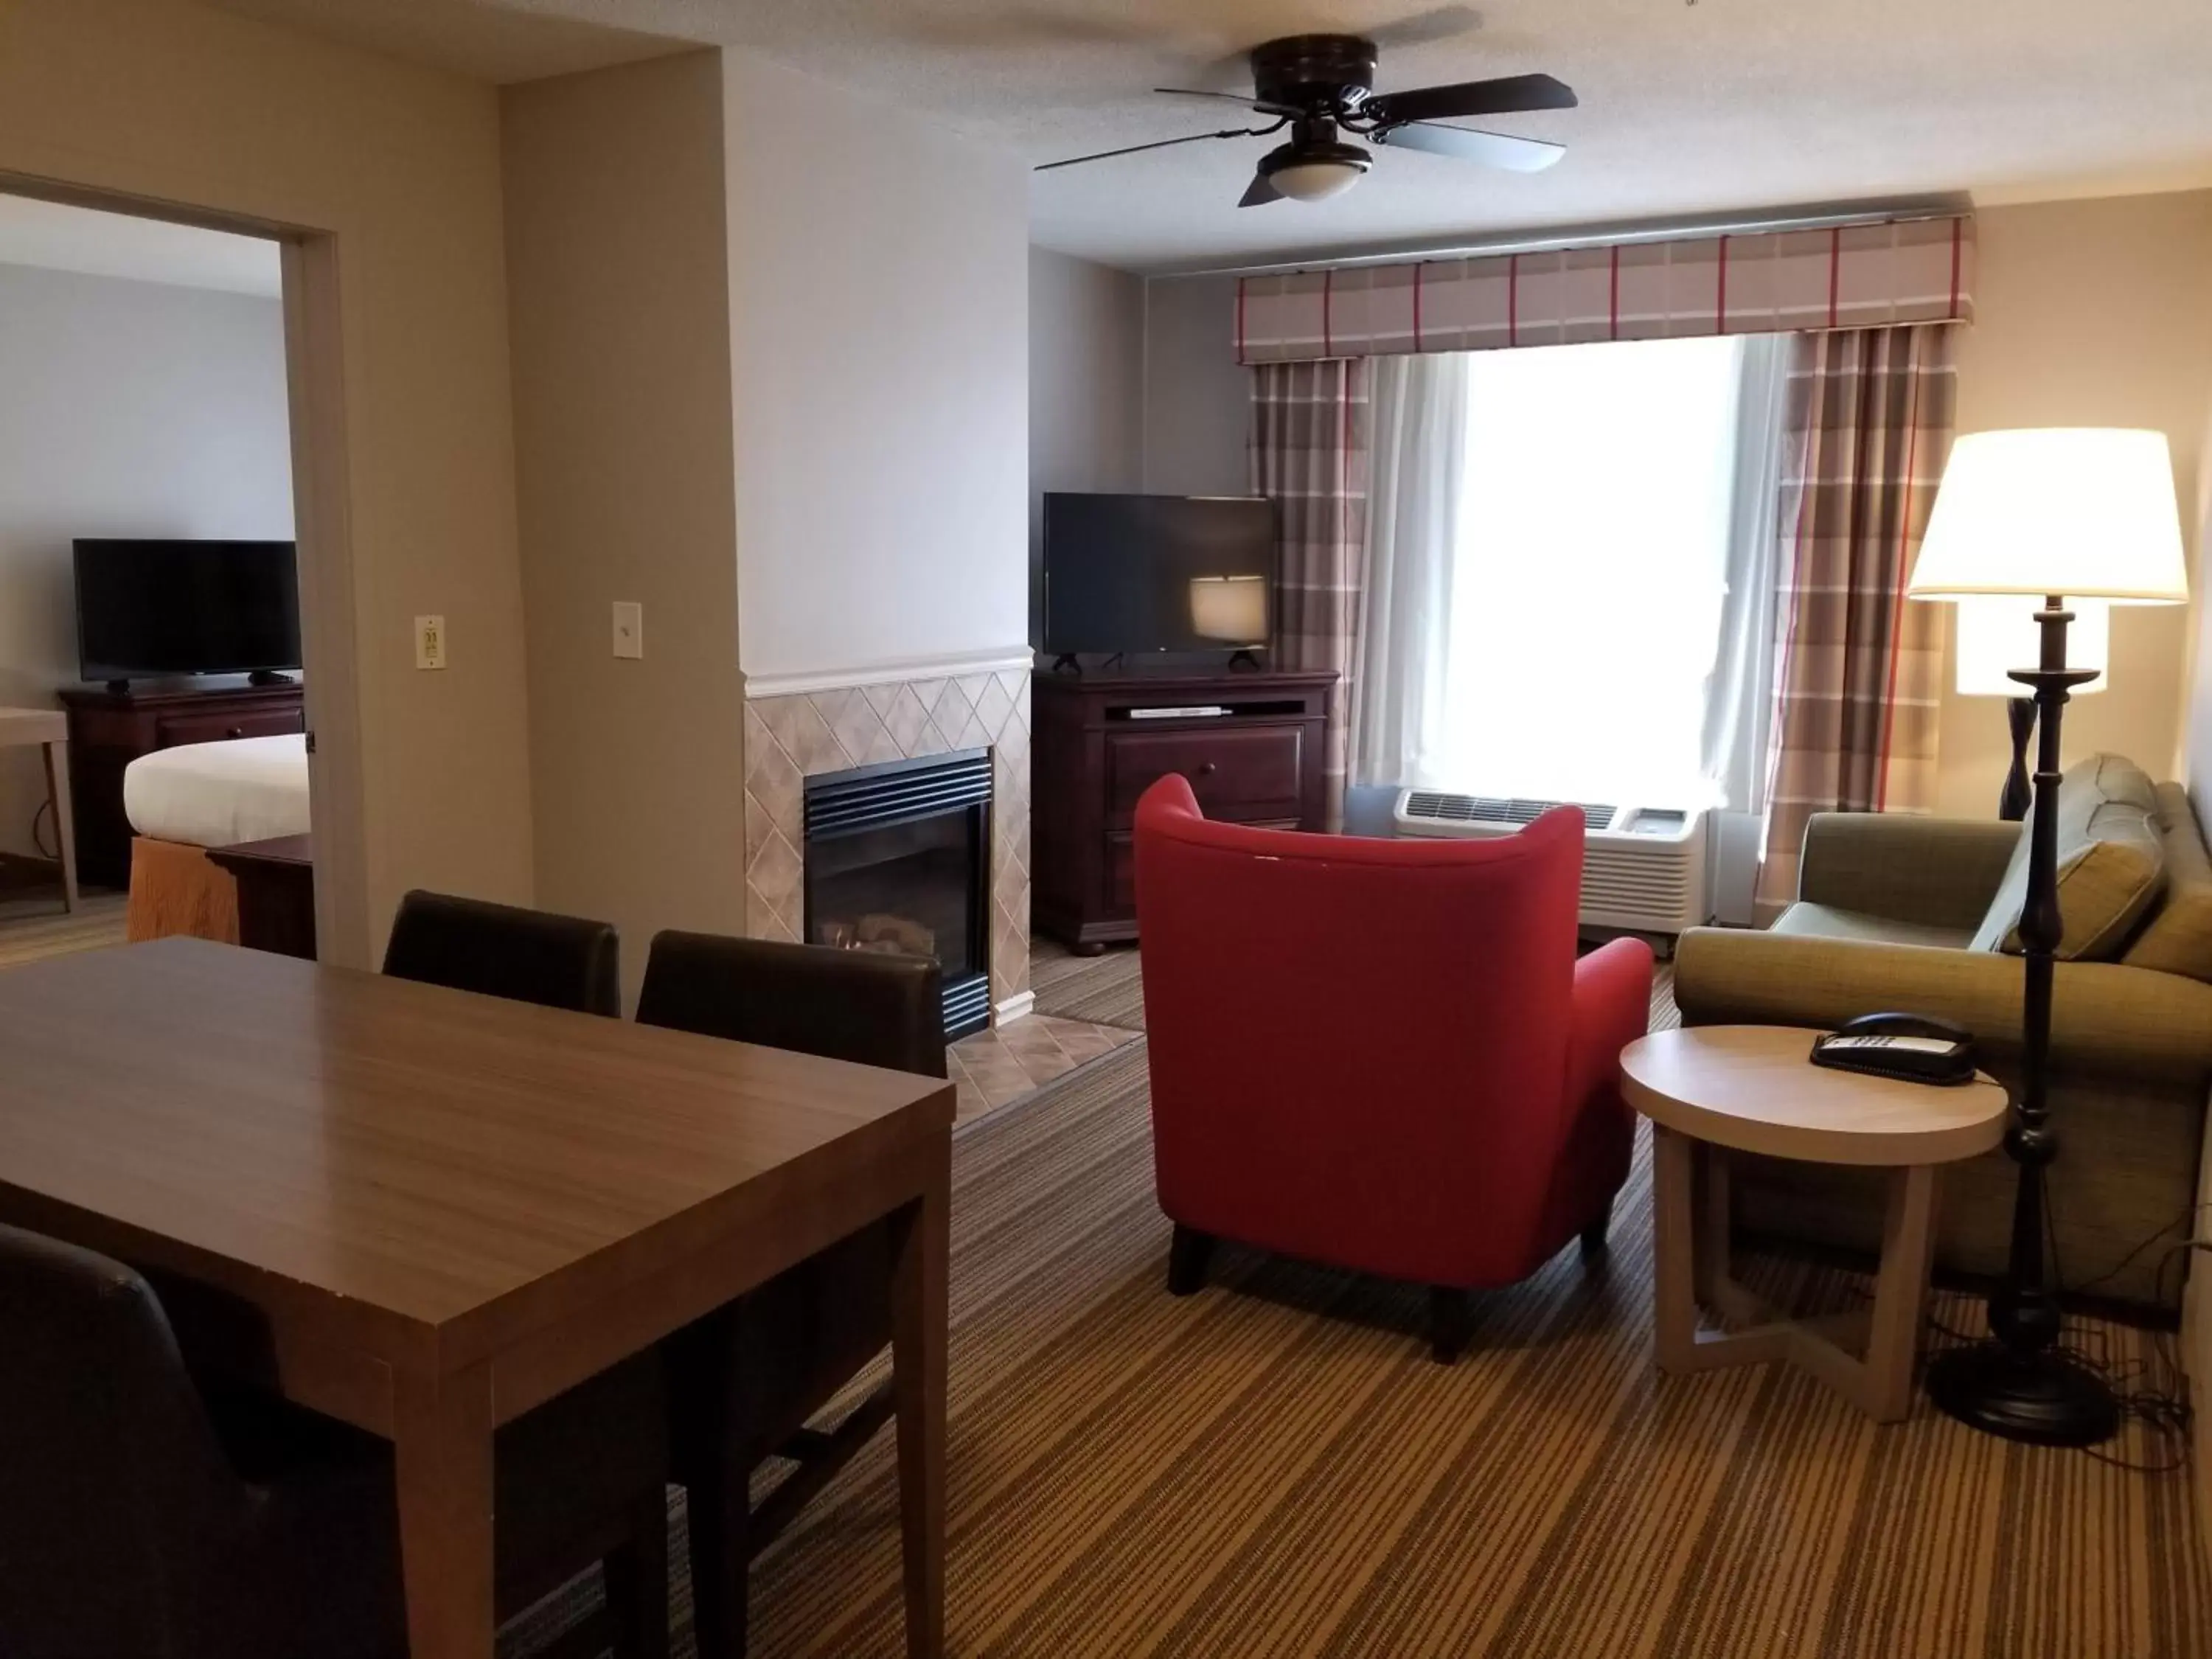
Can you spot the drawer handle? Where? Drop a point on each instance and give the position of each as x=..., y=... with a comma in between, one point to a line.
x=1206, y=769
x=234, y=732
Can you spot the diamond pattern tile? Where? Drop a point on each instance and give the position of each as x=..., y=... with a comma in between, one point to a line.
x=791, y=739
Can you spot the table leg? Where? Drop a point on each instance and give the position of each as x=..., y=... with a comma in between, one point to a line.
x=442, y=1445
x=920, y=1319
x=58, y=792
x=1674, y=1248
x=1901, y=1287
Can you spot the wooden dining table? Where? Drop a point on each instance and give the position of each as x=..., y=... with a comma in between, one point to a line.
x=438, y=1210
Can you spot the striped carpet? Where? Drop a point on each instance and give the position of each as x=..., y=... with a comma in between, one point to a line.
x=1275, y=1467
x=1108, y=988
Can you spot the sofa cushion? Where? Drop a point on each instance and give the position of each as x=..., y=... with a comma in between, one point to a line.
x=2111, y=865
x=2178, y=939
x=1828, y=921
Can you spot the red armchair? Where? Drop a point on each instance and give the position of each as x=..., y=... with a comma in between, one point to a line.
x=1382, y=1055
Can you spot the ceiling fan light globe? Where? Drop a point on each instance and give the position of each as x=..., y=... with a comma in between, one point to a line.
x=1315, y=181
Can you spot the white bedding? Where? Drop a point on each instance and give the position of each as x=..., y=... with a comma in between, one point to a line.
x=218, y=794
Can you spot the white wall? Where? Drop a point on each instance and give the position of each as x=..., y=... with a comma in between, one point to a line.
x=878, y=273
x=126, y=409
x=1197, y=399
x=1086, y=386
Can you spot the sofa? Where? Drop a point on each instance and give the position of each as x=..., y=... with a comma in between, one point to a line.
x=1919, y=914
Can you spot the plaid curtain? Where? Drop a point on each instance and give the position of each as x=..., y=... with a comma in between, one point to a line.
x=1858, y=668
x=1309, y=439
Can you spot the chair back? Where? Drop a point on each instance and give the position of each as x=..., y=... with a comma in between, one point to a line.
x=502, y=951
x=868, y=1006
x=115, y=1497
x=1356, y=1044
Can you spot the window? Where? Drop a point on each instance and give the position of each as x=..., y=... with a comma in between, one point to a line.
x=1592, y=568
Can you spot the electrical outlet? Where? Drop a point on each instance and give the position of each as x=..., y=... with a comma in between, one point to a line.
x=429, y=641
x=629, y=629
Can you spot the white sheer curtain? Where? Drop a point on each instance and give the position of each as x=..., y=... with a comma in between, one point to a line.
x=1740, y=696
x=1595, y=531
x=1400, y=715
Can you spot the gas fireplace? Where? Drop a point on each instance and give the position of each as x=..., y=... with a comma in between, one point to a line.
x=897, y=859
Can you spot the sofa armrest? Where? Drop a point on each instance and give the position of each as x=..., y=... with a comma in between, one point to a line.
x=2105, y=1016
x=1944, y=873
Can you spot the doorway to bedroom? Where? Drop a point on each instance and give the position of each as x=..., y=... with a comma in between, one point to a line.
x=154, y=764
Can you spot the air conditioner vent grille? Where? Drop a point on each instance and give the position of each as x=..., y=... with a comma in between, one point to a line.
x=1491, y=809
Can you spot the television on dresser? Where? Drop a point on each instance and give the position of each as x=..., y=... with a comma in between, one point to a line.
x=158, y=610
x=1126, y=573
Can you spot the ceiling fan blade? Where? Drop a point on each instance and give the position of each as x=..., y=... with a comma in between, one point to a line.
x=1437, y=23
x=1244, y=99
x=1259, y=192
x=1162, y=143
x=1507, y=95
x=1497, y=150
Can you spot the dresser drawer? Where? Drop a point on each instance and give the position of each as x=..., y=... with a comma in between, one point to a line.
x=1240, y=773
x=173, y=731
x=1121, y=865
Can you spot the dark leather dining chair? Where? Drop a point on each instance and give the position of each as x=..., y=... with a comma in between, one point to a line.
x=744, y=1381
x=503, y=950
x=141, y=1517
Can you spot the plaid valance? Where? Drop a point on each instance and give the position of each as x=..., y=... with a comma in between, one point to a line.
x=1864, y=275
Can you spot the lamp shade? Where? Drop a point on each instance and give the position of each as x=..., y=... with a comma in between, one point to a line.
x=1230, y=608
x=1997, y=635
x=2084, y=511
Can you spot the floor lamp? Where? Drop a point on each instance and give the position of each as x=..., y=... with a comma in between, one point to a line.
x=1987, y=643
x=2061, y=514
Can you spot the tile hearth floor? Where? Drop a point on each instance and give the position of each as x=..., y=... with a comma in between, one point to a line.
x=998, y=1067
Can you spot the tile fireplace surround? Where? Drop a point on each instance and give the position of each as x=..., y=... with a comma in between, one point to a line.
x=791, y=737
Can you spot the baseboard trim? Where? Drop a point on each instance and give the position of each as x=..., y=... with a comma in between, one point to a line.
x=1016, y=1006
x=1011, y=659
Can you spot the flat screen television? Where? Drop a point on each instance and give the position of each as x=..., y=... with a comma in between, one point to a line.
x=148, y=610
x=1158, y=572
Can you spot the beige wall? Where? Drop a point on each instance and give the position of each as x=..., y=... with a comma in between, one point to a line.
x=2090, y=314
x=1087, y=388
x=620, y=299
x=163, y=99
x=2197, y=737
x=1198, y=397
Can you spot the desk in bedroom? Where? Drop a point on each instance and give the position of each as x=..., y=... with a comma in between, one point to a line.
x=444, y=1209
x=49, y=730
x=108, y=730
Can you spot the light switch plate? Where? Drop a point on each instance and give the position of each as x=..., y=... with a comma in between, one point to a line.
x=629, y=629
x=429, y=641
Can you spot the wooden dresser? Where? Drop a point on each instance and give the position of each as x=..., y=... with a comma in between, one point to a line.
x=1099, y=741
x=108, y=730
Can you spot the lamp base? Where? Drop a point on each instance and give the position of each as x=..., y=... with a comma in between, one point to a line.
x=2042, y=1398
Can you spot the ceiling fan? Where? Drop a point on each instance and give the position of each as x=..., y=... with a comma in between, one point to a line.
x=1322, y=87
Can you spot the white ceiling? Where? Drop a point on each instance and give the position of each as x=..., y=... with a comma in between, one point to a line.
x=1688, y=108
x=57, y=238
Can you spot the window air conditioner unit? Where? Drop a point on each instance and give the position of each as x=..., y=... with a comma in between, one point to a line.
x=1643, y=867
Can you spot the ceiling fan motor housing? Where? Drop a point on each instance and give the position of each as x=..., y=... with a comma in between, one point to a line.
x=1314, y=142
x=1319, y=72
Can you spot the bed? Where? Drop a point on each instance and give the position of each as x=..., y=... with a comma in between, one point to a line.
x=183, y=800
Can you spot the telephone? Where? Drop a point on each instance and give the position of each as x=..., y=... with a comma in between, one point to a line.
x=1911, y=1047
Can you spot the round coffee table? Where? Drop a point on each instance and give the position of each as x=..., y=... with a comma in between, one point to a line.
x=1721, y=1088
